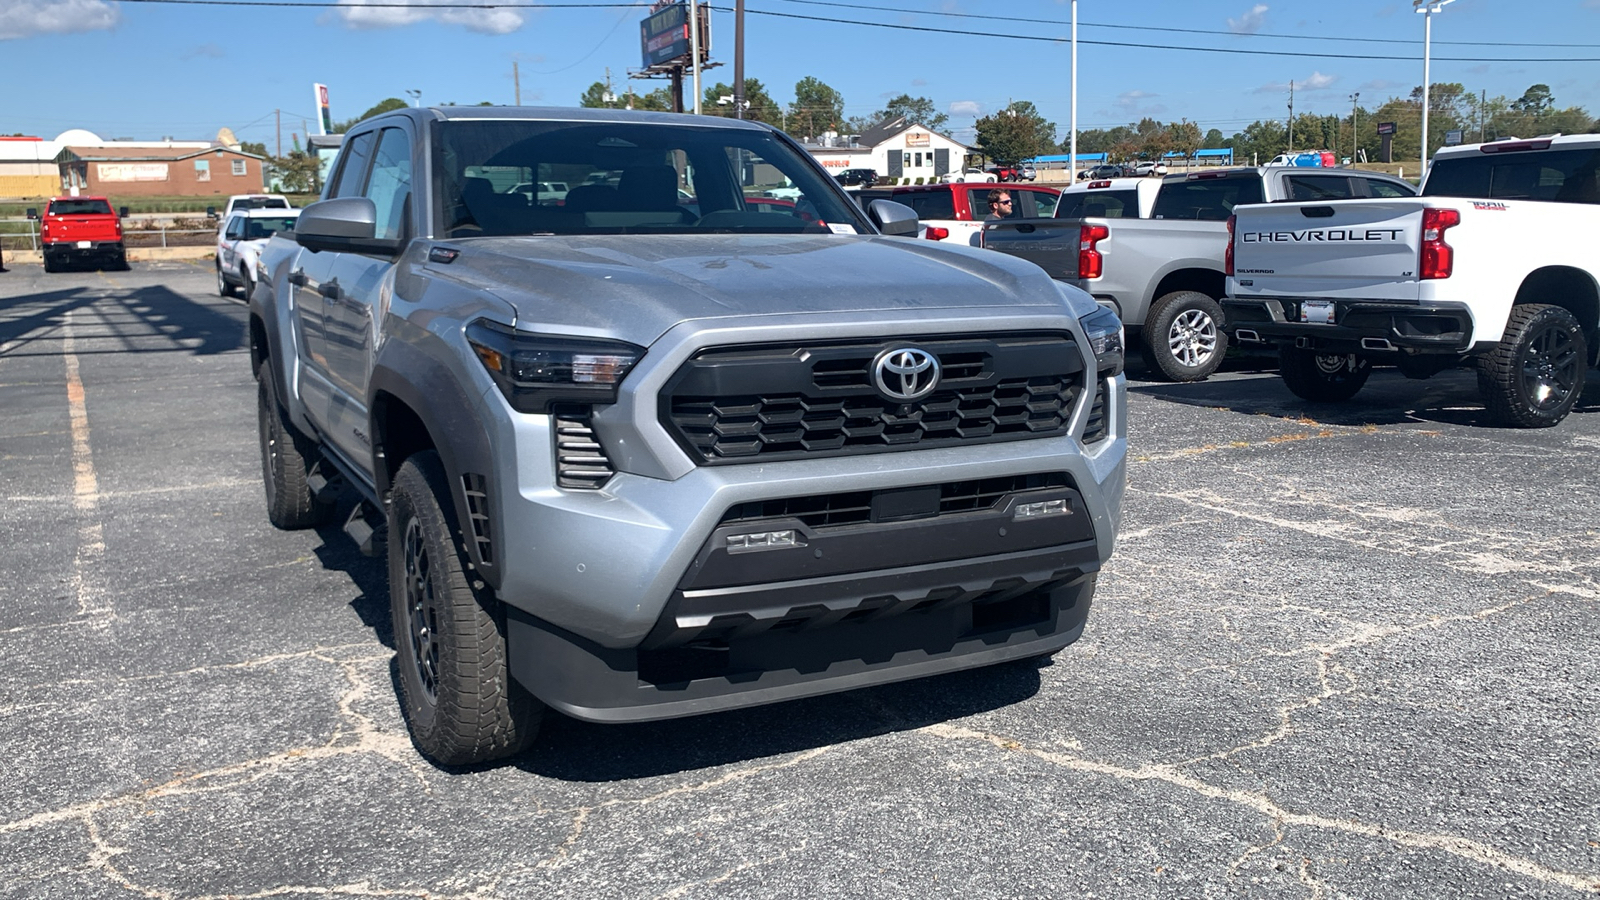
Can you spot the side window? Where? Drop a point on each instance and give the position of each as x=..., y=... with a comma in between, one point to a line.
x=241, y=167
x=389, y=187
x=353, y=166
x=202, y=170
x=1044, y=203
x=1319, y=187
x=235, y=228
x=938, y=204
x=1386, y=189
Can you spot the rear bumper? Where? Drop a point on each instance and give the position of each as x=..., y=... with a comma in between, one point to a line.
x=1357, y=325
x=73, y=250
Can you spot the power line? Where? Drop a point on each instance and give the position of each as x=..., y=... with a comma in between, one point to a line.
x=1035, y=21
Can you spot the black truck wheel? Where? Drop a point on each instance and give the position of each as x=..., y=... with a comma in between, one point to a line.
x=1322, y=377
x=1537, y=371
x=1183, y=338
x=286, y=457
x=456, y=690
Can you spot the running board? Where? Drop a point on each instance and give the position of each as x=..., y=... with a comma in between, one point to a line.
x=368, y=527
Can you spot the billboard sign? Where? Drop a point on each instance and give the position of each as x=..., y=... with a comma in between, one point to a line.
x=664, y=36
x=1452, y=137
x=324, y=116
x=106, y=172
x=1386, y=128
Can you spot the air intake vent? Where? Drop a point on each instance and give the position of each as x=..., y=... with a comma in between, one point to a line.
x=1094, y=430
x=475, y=487
x=580, y=460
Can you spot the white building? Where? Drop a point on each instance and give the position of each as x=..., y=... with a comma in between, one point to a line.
x=895, y=148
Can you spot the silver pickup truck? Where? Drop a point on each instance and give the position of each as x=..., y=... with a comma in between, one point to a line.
x=661, y=446
x=1165, y=275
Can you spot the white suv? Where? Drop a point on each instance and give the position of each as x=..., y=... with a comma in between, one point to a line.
x=239, y=244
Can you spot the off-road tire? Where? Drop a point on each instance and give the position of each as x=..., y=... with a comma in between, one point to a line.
x=286, y=457
x=456, y=690
x=1183, y=337
x=1537, y=371
x=1322, y=377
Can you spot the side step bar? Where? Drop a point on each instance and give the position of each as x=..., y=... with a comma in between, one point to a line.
x=368, y=527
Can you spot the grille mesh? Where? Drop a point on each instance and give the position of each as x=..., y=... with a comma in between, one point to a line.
x=580, y=460
x=855, y=507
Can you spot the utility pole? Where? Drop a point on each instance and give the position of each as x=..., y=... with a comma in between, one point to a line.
x=1072, y=148
x=1355, y=142
x=516, y=79
x=738, y=59
x=278, y=116
x=1291, y=116
x=1483, y=101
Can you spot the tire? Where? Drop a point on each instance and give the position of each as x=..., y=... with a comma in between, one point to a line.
x=50, y=264
x=286, y=457
x=224, y=289
x=1183, y=337
x=1322, y=377
x=456, y=690
x=246, y=285
x=1537, y=371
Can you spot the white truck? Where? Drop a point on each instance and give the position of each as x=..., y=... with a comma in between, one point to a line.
x=1494, y=265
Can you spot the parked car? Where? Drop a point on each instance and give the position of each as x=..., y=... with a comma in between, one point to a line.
x=1101, y=173
x=239, y=245
x=1492, y=266
x=863, y=177
x=968, y=176
x=1005, y=173
x=1114, y=198
x=1165, y=275
x=954, y=213
x=1146, y=168
x=1028, y=173
x=629, y=464
x=81, y=229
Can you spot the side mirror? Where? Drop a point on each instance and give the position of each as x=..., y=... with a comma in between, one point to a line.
x=894, y=219
x=211, y=212
x=122, y=212
x=342, y=225
x=33, y=213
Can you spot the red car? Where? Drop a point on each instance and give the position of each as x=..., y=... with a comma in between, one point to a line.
x=1006, y=173
x=81, y=229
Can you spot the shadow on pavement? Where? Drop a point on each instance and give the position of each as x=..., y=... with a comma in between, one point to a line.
x=152, y=319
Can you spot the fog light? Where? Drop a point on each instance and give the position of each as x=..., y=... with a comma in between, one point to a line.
x=1043, y=508
x=763, y=540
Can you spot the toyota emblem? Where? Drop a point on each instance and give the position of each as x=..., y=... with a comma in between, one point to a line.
x=906, y=373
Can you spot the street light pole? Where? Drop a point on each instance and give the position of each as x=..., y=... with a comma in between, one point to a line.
x=416, y=97
x=1072, y=142
x=1355, y=142
x=1427, y=8
x=694, y=50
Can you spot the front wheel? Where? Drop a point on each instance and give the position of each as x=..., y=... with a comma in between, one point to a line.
x=456, y=690
x=1322, y=377
x=1183, y=338
x=1537, y=371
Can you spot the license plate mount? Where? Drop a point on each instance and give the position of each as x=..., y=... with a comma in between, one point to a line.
x=84, y=245
x=1317, y=312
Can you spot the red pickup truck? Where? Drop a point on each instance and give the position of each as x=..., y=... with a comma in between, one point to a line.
x=77, y=229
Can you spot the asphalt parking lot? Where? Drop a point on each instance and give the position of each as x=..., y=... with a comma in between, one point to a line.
x=1341, y=652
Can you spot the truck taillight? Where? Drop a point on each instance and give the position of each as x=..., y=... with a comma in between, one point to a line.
x=1438, y=258
x=1227, y=255
x=937, y=234
x=1090, y=263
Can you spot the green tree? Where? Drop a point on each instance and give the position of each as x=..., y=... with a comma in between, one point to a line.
x=1215, y=140
x=1259, y=141
x=916, y=109
x=1535, y=100
x=761, y=108
x=383, y=106
x=595, y=97
x=816, y=108
x=258, y=148
x=297, y=170
x=1016, y=133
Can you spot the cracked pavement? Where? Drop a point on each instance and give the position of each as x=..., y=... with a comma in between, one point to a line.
x=1341, y=652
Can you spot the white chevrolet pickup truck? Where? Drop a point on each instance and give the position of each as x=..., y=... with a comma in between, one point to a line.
x=1494, y=264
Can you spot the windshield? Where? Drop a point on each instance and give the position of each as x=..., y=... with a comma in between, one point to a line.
x=1206, y=199
x=1099, y=204
x=267, y=227
x=629, y=178
x=80, y=207
x=261, y=203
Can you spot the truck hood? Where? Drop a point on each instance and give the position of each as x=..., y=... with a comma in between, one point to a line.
x=636, y=287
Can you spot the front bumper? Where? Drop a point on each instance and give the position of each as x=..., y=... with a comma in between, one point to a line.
x=1357, y=325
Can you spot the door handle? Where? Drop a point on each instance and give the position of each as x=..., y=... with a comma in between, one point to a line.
x=298, y=278
x=330, y=289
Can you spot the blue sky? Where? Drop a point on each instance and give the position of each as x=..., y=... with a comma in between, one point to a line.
x=147, y=70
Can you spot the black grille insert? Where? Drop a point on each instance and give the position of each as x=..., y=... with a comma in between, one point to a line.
x=731, y=405
x=855, y=507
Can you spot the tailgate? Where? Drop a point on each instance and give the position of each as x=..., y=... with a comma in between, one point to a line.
x=84, y=228
x=1354, y=249
x=1050, y=244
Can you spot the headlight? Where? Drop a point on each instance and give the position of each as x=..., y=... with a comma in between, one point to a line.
x=1105, y=338
x=535, y=371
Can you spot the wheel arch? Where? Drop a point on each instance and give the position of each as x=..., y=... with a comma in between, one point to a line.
x=1188, y=277
x=1572, y=289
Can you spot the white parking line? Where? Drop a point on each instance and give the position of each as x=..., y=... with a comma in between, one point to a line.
x=85, y=484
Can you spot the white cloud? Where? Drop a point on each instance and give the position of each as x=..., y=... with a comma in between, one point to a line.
x=358, y=14
x=1130, y=99
x=1250, y=22
x=1316, y=82
x=966, y=108
x=26, y=18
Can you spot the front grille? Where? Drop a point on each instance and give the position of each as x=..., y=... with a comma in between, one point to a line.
x=1094, y=429
x=731, y=405
x=855, y=507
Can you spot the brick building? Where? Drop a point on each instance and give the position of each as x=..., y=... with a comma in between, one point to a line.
x=146, y=171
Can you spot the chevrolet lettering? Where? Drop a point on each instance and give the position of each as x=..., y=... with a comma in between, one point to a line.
x=1328, y=236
